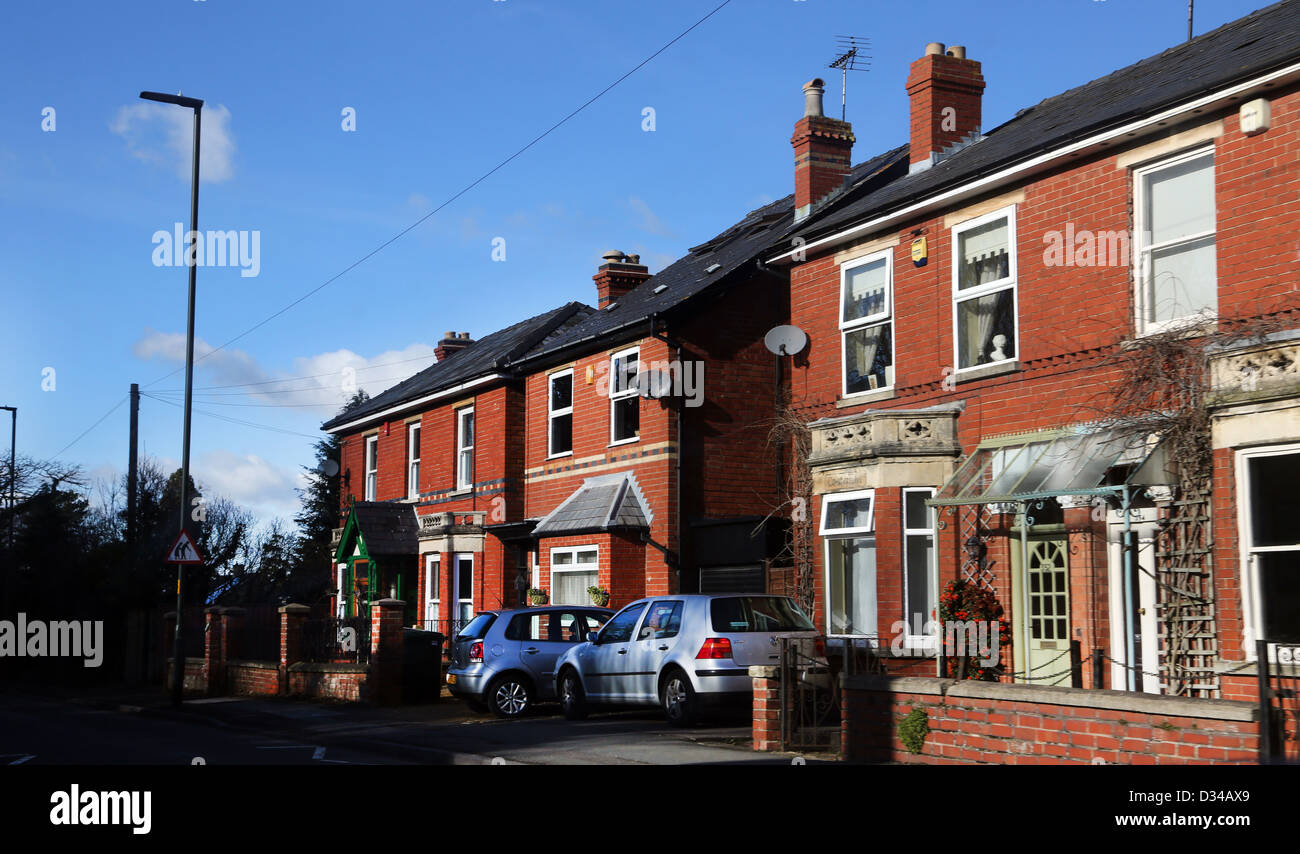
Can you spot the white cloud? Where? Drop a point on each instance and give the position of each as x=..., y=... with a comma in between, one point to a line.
x=649, y=220
x=316, y=383
x=163, y=135
x=248, y=480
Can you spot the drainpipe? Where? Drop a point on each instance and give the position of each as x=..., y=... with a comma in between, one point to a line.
x=1130, y=647
x=680, y=406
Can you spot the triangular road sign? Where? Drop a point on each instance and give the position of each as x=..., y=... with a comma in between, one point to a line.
x=183, y=550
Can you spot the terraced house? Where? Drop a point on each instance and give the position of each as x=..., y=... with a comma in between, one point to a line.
x=1057, y=359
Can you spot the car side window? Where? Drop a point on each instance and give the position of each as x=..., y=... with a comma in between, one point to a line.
x=664, y=621
x=568, y=626
x=619, y=628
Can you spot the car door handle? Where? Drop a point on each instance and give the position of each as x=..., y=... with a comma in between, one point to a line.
x=663, y=648
x=622, y=651
x=531, y=650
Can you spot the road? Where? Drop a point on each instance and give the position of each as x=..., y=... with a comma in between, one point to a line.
x=231, y=731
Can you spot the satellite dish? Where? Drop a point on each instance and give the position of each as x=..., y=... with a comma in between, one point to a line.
x=655, y=383
x=329, y=468
x=785, y=340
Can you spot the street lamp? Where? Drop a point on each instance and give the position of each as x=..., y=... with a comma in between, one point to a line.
x=178, y=651
x=13, y=478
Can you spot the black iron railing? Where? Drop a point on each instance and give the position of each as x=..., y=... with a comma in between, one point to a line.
x=336, y=640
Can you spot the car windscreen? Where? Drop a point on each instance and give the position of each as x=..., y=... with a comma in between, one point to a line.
x=758, y=614
x=477, y=627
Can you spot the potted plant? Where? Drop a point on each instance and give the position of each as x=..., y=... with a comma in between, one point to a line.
x=599, y=595
x=537, y=596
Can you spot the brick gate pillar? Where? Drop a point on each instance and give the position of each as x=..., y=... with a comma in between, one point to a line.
x=385, y=682
x=291, y=619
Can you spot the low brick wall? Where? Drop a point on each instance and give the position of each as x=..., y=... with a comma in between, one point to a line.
x=253, y=678
x=196, y=676
x=328, y=681
x=1007, y=724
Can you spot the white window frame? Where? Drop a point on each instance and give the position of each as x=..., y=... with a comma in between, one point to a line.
x=552, y=413
x=413, y=459
x=834, y=497
x=1250, y=610
x=433, y=581
x=1011, y=282
x=574, y=566
x=632, y=391
x=859, y=532
x=928, y=642
x=1142, y=251
x=463, y=597
x=372, y=467
x=340, y=603
x=464, y=482
x=883, y=318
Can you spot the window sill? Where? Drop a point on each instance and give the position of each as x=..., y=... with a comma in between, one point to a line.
x=464, y=490
x=983, y=371
x=866, y=397
x=1190, y=328
x=633, y=440
x=559, y=456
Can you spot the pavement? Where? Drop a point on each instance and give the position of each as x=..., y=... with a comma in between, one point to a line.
x=112, y=725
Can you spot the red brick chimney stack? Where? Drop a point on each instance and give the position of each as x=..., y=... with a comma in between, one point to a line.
x=452, y=343
x=945, y=89
x=823, y=152
x=619, y=274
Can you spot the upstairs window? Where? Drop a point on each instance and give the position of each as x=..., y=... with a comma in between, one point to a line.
x=560, y=419
x=413, y=460
x=866, y=323
x=624, y=405
x=465, y=448
x=372, y=467
x=1175, y=218
x=984, y=290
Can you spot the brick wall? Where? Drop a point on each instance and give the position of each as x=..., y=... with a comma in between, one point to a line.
x=994, y=723
x=252, y=678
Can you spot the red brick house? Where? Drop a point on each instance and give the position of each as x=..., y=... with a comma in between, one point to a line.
x=611, y=447
x=969, y=302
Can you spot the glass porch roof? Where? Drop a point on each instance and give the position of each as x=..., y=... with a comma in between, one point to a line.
x=1047, y=464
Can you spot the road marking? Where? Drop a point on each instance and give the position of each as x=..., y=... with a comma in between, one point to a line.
x=319, y=753
x=22, y=757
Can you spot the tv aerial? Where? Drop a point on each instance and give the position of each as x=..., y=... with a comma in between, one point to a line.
x=851, y=56
x=785, y=340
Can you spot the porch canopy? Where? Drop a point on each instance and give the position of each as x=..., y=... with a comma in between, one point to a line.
x=603, y=503
x=1036, y=466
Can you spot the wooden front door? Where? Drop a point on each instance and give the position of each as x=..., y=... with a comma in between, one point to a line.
x=1047, y=633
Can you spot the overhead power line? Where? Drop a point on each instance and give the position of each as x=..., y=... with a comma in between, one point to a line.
x=381, y=247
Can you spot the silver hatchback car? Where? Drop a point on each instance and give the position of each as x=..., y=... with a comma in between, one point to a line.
x=680, y=652
x=505, y=660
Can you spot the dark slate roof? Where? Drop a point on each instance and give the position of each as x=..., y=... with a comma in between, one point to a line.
x=601, y=503
x=488, y=354
x=387, y=528
x=1256, y=44
x=734, y=249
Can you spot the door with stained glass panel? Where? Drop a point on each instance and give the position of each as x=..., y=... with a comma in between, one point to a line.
x=1048, y=643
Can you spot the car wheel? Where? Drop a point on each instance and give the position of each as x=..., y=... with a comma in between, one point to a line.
x=572, y=701
x=678, y=699
x=509, y=696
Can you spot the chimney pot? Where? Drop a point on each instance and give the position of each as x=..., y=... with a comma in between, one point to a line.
x=452, y=343
x=613, y=256
x=934, y=49
x=957, y=51
x=619, y=274
x=812, y=97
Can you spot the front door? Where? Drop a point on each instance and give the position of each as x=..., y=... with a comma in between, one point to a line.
x=1136, y=624
x=463, y=592
x=1047, y=640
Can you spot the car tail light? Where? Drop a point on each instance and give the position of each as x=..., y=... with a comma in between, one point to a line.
x=715, y=648
x=476, y=652
x=819, y=644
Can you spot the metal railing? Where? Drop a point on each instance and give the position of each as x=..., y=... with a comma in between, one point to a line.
x=449, y=628
x=810, y=697
x=336, y=640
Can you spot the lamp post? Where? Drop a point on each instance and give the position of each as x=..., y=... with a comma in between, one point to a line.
x=195, y=104
x=12, y=560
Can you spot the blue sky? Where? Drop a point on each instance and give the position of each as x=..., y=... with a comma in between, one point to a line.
x=442, y=92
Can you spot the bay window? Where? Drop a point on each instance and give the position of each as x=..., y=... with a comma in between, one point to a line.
x=866, y=323
x=849, y=534
x=919, y=568
x=573, y=570
x=1270, y=543
x=1174, y=211
x=984, y=289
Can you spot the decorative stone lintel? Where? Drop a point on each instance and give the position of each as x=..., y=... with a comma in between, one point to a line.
x=877, y=448
x=1255, y=372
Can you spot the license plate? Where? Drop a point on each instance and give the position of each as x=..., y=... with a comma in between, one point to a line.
x=451, y=678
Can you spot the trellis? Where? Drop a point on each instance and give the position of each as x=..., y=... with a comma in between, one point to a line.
x=1185, y=604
